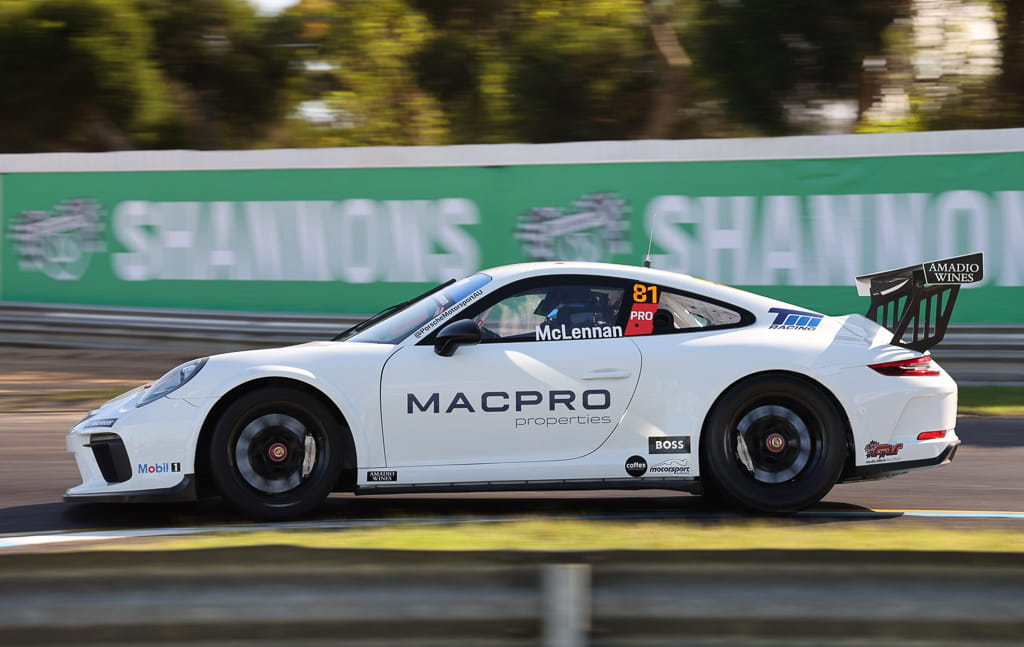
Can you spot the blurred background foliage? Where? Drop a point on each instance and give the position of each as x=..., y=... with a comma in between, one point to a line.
x=92, y=75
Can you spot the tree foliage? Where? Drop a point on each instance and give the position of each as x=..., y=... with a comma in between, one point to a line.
x=74, y=79
x=775, y=60
x=113, y=74
x=230, y=74
x=117, y=74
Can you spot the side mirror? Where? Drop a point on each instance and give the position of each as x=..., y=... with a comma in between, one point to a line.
x=463, y=332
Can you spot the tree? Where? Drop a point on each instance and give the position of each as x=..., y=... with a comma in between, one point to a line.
x=88, y=75
x=777, y=61
x=77, y=77
x=368, y=48
x=230, y=73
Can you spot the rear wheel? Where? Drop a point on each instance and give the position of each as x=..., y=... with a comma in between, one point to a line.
x=275, y=453
x=773, y=444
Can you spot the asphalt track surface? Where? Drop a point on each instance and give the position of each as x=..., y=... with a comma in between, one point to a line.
x=983, y=484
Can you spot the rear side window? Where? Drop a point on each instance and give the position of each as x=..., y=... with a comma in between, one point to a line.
x=657, y=310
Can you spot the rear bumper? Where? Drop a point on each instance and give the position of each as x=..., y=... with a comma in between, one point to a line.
x=885, y=470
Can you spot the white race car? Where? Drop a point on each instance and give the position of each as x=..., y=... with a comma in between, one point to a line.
x=548, y=376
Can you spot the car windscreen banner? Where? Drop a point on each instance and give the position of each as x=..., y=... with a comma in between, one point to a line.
x=790, y=222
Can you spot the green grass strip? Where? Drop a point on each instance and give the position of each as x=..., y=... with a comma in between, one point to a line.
x=992, y=401
x=569, y=535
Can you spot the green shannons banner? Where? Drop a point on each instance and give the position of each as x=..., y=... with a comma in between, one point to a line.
x=357, y=240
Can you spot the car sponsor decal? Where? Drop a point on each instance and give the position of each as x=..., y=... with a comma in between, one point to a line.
x=555, y=421
x=582, y=405
x=501, y=401
x=376, y=476
x=668, y=445
x=159, y=468
x=962, y=269
x=99, y=422
x=562, y=332
x=445, y=312
x=786, y=319
x=636, y=466
x=672, y=467
x=880, y=451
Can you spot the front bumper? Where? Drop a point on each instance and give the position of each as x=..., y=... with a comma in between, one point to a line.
x=124, y=452
x=184, y=491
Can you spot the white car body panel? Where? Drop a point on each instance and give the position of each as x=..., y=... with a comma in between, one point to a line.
x=654, y=386
x=548, y=402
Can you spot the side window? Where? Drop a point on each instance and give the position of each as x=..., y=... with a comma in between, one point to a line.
x=559, y=311
x=657, y=310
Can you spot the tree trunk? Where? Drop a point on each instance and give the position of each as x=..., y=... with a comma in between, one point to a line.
x=1011, y=80
x=669, y=93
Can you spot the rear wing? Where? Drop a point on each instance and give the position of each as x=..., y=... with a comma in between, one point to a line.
x=915, y=302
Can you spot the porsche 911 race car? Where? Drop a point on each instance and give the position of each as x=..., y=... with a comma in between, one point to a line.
x=556, y=375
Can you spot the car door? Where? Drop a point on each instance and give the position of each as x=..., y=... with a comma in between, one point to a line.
x=551, y=380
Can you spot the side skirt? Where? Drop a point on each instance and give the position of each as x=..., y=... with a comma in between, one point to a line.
x=691, y=485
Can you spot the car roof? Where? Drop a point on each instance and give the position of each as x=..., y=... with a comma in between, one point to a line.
x=507, y=273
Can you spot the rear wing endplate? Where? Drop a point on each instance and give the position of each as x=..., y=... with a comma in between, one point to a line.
x=915, y=302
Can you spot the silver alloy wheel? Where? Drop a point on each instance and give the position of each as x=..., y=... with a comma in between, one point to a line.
x=773, y=443
x=274, y=453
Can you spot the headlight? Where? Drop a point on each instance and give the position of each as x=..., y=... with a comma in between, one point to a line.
x=171, y=381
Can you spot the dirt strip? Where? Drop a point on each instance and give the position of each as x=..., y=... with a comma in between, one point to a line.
x=45, y=379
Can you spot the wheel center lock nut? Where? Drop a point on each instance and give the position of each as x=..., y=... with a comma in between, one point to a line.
x=775, y=443
x=277, y=452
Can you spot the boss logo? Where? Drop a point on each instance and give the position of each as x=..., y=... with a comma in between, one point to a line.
x=668, y=445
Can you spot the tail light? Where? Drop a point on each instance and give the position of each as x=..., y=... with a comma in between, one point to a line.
x=931, y=435
x=916, y=367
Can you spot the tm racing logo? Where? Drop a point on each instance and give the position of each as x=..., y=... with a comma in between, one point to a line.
x=794, y=319
x=58, y=243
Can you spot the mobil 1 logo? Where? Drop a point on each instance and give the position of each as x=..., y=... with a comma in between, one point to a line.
x=668, y=445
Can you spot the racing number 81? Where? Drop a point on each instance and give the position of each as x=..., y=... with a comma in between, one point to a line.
x=645, y=293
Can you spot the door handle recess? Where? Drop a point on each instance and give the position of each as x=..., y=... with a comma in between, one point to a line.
x=607, y=374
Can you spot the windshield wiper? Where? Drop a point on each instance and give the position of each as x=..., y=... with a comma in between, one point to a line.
x=387, y=312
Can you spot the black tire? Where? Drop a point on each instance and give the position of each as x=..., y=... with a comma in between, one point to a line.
x=276, y=453
x=773, y=444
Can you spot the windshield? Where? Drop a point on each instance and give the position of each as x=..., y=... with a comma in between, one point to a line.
x=423, y=315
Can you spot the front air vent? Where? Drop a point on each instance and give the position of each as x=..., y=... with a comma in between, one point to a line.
x=111, y=457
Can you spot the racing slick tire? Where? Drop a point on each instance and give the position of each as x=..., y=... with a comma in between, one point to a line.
x=773, y=444
x=275, y=453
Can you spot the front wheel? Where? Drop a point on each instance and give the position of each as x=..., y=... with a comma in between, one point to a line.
x=275, y=453
x=773, y=444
